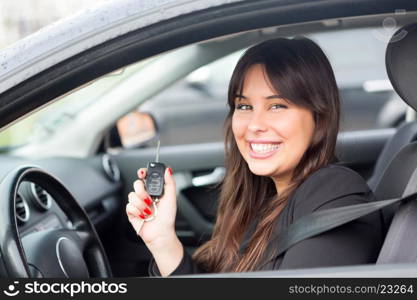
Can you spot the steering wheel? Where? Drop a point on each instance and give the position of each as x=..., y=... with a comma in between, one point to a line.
x=71, y=253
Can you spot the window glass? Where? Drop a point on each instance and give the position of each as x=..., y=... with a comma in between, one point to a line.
x=49, y=120
x=193, y=110
x=358, y=60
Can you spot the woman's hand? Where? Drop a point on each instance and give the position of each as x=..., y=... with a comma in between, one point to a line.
x=160, y=231
x=158, y=234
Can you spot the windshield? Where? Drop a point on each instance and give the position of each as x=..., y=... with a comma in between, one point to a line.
x=43, y=123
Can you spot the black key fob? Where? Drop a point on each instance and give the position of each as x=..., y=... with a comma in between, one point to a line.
x=154, y=181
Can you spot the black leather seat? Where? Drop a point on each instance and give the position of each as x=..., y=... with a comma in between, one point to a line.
x=405, y=134
x=397, y=170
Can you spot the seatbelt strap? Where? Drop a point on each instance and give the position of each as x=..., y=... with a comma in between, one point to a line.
x=321, y=221
x=400, y=245
x=400, y=239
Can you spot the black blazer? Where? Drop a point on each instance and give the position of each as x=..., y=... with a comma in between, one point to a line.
x=357, y=242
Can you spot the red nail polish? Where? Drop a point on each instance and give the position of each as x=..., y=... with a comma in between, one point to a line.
x=142, y=216
x=147, y=211
x=148, y=201
x=170, y=171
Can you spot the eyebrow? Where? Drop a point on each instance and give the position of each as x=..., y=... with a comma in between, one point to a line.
x=277, y=96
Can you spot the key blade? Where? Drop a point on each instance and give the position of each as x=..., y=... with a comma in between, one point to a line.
x=157, y=151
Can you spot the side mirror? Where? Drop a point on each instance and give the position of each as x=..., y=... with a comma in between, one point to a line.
x=136, y=128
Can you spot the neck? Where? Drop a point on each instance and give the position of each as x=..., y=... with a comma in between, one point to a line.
x=281, y=184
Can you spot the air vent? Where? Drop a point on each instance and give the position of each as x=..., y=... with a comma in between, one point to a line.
x=110, y=168
x=22, y=209
x=42, y=199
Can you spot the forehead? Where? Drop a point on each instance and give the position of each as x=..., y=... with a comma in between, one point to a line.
x=256, y=81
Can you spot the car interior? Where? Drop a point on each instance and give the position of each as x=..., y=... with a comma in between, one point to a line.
x=72, y=182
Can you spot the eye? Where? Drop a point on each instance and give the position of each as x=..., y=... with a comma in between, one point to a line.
x=278, y=106
x=243, y=107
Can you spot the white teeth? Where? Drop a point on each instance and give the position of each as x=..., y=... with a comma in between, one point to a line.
x=264, y=148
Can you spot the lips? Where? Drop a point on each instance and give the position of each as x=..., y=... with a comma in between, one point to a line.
x=263, y=149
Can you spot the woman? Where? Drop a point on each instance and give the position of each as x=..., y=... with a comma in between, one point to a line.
x=281, y=133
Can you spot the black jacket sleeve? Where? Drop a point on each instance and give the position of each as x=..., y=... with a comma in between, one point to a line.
x=357, y=242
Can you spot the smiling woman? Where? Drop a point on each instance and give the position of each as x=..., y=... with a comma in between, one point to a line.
x=281, y=133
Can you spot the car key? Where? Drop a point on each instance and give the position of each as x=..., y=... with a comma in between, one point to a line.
x=155, y=177
x=154, y=182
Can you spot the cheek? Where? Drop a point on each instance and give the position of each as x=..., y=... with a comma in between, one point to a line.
x=298, y=128
x=306, y=132
x=238, y=127
x=286, y=126
x=309, y=128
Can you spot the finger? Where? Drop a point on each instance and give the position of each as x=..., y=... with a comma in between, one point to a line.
x=139, y=203
x=140, y=190
x=132, y=211
x=169, y=183
x=142, y=173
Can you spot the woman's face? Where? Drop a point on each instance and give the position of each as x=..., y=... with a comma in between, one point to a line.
x=271, y=133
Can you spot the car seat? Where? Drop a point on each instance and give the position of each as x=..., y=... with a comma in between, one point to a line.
x=399, y=174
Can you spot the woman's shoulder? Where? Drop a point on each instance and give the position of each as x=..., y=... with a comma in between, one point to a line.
x=331, y=186
x=339, y=177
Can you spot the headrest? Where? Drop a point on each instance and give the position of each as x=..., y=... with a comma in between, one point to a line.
x=401, y=63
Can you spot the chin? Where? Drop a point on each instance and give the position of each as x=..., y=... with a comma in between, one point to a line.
x=261, y=170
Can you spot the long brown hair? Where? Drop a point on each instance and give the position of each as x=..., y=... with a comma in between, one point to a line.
x=301, y=72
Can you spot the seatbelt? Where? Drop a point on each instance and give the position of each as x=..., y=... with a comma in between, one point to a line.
x=324, y=220
x=400, y=245
x=400, y=239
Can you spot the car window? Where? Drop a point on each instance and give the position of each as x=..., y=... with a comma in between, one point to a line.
x=358, y=60
x=193, y=109
x=47, y=121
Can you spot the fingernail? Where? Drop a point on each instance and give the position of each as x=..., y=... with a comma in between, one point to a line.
x=170, y=171
x=147, y=211
x=148, y=201
x=142, y=216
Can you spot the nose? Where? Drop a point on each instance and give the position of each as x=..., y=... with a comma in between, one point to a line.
x=258, y=122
